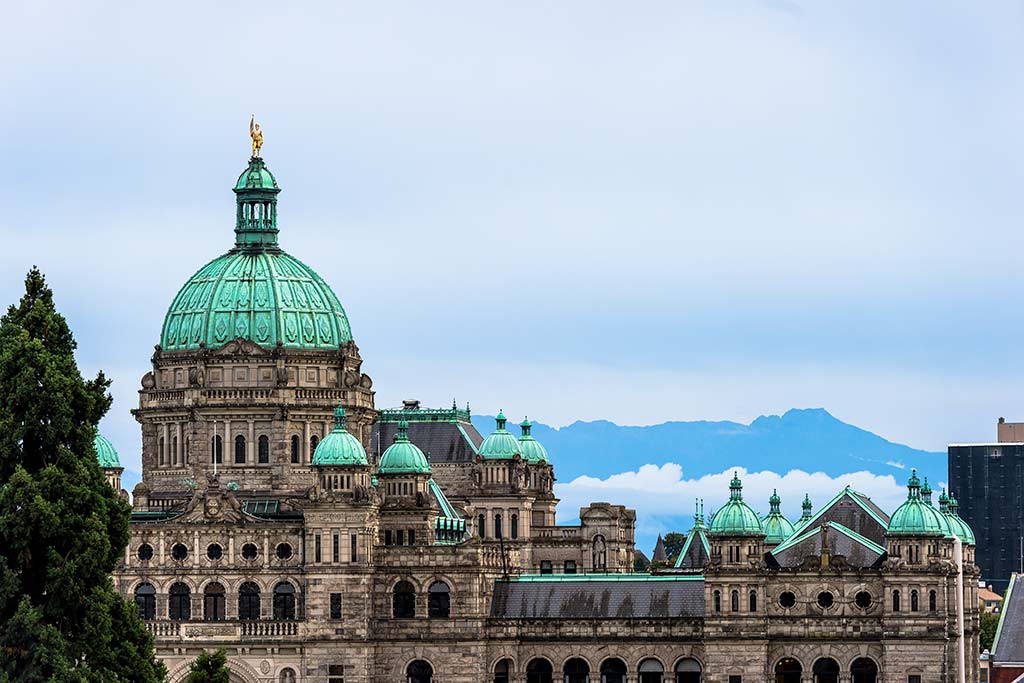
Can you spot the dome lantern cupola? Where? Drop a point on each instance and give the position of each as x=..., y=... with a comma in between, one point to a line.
x=533, y=451
x=776, y=527
x=256, y=199
x=736, y=518
x=500, y=444
x=957, y=524
x=403, y=456
x=339, y=447
x=805, y=517
x=915, y=517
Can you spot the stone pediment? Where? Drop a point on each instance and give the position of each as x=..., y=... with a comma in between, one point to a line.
x=213, y=505
x=241, y=347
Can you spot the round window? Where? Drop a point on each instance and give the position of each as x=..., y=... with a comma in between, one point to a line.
x=179, y=551
x=825, y=599
x=787, y=599
x=145, y=552
x=862, y=599
x=214, y=551
x=249, y=551
x=284, y=551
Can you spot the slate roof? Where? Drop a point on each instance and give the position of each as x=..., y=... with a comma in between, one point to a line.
x=854, y=511
x=1009, y=642
x=696, y=550
x=858, y=550
x=443, y=442
x=621, y=596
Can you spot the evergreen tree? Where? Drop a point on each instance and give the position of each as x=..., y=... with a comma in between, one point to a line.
x=209, y=668
x=674, y=542
x=989, y=623
x=62, y=527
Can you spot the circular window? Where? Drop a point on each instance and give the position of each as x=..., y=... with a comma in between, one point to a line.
x=214, y=551
x=249, y=551
x=179, y=551
x=284, y=551
x=862, y=599
x=145, y=552
x=787, y=599
x=825, y=599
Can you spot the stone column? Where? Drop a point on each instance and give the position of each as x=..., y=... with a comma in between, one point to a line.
x=180, y=451
x=162, y=447
x=249, y=445
x=305, y=444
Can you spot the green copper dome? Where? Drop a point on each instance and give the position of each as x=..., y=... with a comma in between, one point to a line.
x=255, y=291
x=339, y=447
x=951, y=511
x=500, y=444
x=776, y=527
x=736, y=518
x=105, y=453
x=531, y=449
x=805, y=517
x=915, y=517
x=403, y=456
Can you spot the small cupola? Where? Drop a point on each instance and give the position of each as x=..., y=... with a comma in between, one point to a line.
x=339, y=447
x=500, y=444
x=403, y=456
x=533, y=451
x=776, y=527
x=256, y=201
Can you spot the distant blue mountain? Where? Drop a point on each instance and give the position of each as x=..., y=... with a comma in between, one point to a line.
x=806, y=439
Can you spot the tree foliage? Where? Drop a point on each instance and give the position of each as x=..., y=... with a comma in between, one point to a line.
x=673, y=545
x=62, y=527
x=989, y=623
x=209, y=668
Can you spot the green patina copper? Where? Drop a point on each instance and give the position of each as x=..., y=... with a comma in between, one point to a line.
x=531, y=449
x=105, y=452
x=805, y=517
x=915, y=517
x=776, y=527
x=736, y=518
x=339, y=447
x=950, y=509
x=256, y=291
x=403, y=456
x=500, y=444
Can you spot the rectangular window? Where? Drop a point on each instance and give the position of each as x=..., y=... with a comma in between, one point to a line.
x=545, y=567
x=570, y=567
x=399, y=537
x=317, y=551
x=387, y=537
x=412, y=537
x=336, y=550
x=914, y=678
x=336, y=673
x=335, y=605
x=355, y=548
x=735, y=679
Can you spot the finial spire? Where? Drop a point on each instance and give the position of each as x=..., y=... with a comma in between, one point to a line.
x=257, y=136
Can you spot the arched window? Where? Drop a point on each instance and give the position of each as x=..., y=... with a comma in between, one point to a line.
x=497, y=526
x=296, y=449
x=284, y=601
x=895, y=601
x=688, y=671
x=734, y=601
x=752, y=601
x=438, y=601
x=217, y=450
x=538, y=671
x=576, y=670
x=239, y=450
x=514, y=523
x=287, y=676
x=403, y=601
x=864, y=670
x=613, y=671
x=718, y=601
x=314, y=441
x=419, y=672
x=932, y=601
x=788, y=670
x=503, y=671
x=264, y=449
x=249, y=601
x=145, y=599
x=599, y=553
x=213, y=602
x=179, y=603
x=826, y=670
x=481, y=526
x=913, y=601
x=651, y=671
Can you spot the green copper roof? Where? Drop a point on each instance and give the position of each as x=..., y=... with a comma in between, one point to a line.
x=255, y=291
x=776, y=527
x=105, y=453
x=698, y=531
x=339, y=447
x=531, y=449
x=960, y=528
x=403, y=456
x=500, y=444
x=736, y=518
x=915, y=517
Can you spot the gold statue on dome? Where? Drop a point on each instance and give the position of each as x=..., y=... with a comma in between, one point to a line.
x=257, y=136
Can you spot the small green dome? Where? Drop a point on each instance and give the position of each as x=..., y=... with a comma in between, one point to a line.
x=776, y=527
x=805, y=517
x=915, y=517
x=736, y=518
x=500, y=444
x=960, y=528
x=105, y=453
x=256, y=177
x=403, y=456
x=531, y=449
x=339, y=447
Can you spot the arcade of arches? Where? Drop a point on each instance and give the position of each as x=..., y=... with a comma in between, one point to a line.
x=826, y=670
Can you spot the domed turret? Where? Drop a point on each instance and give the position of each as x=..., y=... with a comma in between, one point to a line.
x=805, y=517
x=736, y=518
x=255, y=291
x=531, y=449
x=960, y=528
x=915, y=517
x=776, y=527
x=500, y=444
x=106, y=455
x=339, y=447
x=403, y=456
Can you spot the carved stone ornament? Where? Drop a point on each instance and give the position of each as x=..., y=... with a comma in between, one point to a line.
x=148, y=381
x=264, y=667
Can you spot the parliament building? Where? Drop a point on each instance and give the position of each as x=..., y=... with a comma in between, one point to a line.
x=319, y=539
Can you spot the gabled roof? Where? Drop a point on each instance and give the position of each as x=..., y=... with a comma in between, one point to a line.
x=696, y=550
x=1008, y=646
x=858, y=550
x=859, y=514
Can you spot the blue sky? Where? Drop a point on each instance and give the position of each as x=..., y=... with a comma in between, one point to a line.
x=590, y=210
